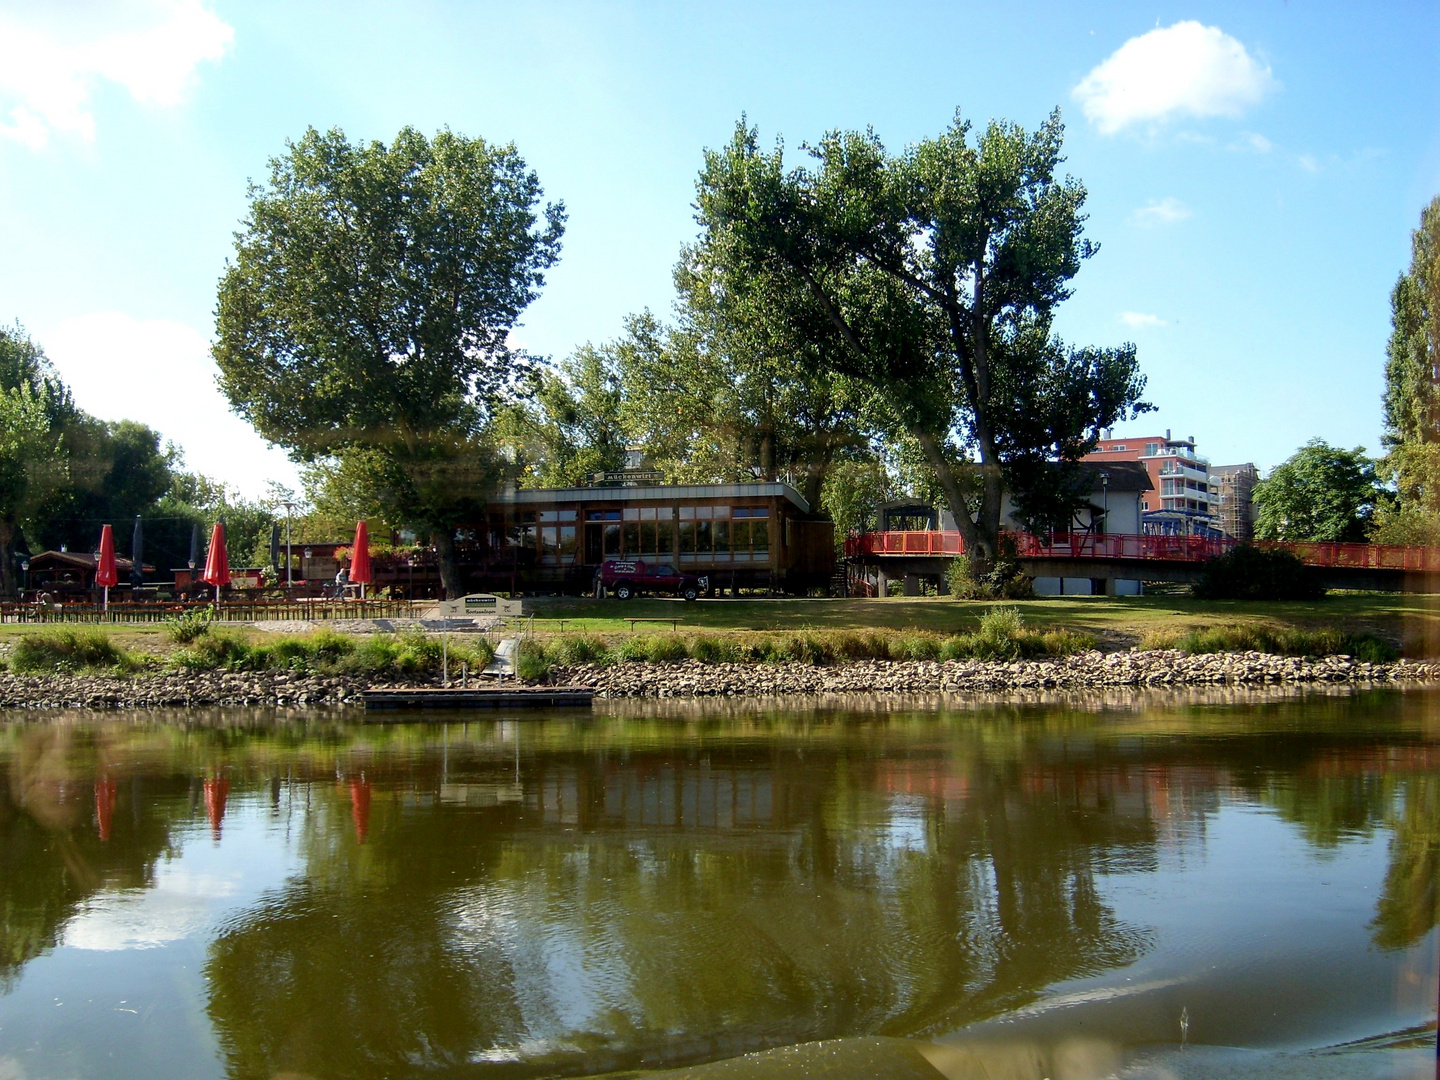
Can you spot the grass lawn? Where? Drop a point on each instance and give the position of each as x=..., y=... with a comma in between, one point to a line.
x=1411, y=620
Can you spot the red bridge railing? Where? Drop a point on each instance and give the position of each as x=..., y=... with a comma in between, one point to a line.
x=1159, y=548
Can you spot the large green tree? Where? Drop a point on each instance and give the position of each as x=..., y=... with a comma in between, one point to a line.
x=369, y=306
x=935, y=275
x=1321, y=492
x=34, y=407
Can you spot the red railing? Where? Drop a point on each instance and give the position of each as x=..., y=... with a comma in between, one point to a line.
x=1159, y=548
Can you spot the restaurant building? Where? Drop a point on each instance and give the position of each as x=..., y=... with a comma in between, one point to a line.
x=742, y=536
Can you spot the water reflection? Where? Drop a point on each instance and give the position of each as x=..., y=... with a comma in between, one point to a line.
x=652, y=888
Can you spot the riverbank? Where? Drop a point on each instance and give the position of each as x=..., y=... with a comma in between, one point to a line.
x=1091, y=670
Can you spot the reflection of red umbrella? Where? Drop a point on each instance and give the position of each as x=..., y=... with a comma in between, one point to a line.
x=360, y=559
x=105, y=574
x=105, y=792
x=216, y=791
x=217, y=562
x=360, y=807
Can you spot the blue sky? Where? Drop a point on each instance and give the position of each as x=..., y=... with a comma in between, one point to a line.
x=1254, y=169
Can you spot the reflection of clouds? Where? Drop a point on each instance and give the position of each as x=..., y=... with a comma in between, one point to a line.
x=566, y=960
x=176, y=907
x=904, y=828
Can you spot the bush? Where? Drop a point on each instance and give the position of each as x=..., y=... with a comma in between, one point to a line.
x=65, y=651
x=1251, y=573
x=187, y=626
x=531, y=662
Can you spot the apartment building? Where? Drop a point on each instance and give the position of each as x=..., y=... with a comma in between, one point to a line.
x=1236, y=485
x=1186, y=499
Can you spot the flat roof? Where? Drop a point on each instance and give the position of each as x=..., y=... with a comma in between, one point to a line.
x=534, y=496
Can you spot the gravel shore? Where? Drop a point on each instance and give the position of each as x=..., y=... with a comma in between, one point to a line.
x=691, y=678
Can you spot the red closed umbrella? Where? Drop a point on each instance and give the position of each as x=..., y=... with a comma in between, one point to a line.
x=105, y=574
x=217, y=561
x=360, y=559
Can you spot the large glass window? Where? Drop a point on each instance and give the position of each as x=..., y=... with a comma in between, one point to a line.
x=612, y=539
x=760, y=540
x=632, y=537
x=665, y=537
x=704, y=542
x=722, y=539
x=687, y=536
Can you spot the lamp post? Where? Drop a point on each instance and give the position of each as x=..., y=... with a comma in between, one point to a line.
x=1105, y=501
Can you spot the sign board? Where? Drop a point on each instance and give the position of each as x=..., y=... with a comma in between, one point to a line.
x=478, y=605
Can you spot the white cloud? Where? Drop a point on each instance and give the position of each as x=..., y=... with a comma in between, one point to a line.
x=1137, y=320
x=1253, y=140
x=1308, y=163
x=1160, y=212
x=52, y=56
x=1186, y=69
x=160, y=373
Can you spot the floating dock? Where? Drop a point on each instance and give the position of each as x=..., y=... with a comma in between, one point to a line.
x=481, y=697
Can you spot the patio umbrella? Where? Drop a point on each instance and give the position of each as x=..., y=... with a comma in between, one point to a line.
x=105, y=575
x=217, y=790
x=137, y=555
x=360, y=807
x=360, y=559
x=275, y=549
x=217, y=561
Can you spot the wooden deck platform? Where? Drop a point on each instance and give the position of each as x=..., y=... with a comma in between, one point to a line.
x=484, y=697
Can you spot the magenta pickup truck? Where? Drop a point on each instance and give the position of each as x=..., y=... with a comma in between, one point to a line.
x=624, y=578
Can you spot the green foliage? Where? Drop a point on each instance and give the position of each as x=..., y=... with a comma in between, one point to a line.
x=366, y=314
x=931, y=277
x=1281, y=641
x=67, y=651
x=1001, y=636
x=326, y=652
x=1412, y=386
x=1252, y=573
x=189, y=625
x=1320, y=492
x=1003, y=581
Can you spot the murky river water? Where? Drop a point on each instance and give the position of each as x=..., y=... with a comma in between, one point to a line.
x=1144, y=887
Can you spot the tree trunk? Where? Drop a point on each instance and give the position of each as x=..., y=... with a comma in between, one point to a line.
x=981, y=538
x=815, y=473
x=7, y=559
x=444, y=541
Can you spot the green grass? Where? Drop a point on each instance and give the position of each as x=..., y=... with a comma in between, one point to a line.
x=999, y=634
x=1410, y=620
x=69, y=651
x=1285, y=641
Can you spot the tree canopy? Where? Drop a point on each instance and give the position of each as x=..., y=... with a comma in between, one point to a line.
x=369, y=306
x=932, y=277
x=1321, y=492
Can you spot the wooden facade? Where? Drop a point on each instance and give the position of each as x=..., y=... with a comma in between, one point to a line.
x=755, y=535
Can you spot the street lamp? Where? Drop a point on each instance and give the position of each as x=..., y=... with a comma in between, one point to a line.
x=1105, y=501
x=289, y=559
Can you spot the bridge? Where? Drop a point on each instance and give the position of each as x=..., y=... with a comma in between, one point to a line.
x=1111, y=557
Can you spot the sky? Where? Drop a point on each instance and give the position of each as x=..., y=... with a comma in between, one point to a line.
x=1254, y=170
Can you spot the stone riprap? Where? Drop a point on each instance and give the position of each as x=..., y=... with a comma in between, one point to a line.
x=1084, y=671
x=691, y=678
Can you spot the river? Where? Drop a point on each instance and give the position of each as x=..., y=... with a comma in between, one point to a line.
x=1205, y=884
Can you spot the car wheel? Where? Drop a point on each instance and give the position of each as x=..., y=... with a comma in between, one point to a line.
x=690, y=592
x=623, y=591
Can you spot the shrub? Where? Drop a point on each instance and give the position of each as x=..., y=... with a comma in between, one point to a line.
x=571, y=649
x=1252, y=573
x=531, y=663
x=69, y=650
x=187, y=626
x=915, y=647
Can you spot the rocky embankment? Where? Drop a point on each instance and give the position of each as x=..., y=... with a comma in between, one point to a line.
x=1085, y=671
x=177, y=690
x=691, y=678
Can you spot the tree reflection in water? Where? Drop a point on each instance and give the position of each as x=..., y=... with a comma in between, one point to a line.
x=639, y=891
